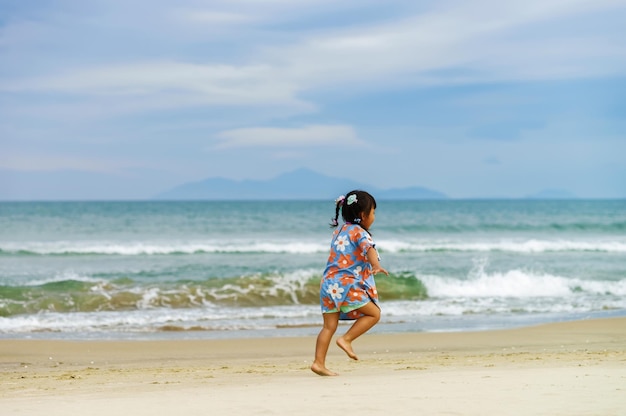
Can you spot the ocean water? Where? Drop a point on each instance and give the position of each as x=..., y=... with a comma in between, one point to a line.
x=145, y=270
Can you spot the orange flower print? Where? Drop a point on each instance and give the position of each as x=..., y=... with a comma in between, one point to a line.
x=361, y=256
x=345, y=261
x=354, y=314
x=355, y=234
x=346, y=280
x=373, y=293
x=328, y=303
x=355, y=295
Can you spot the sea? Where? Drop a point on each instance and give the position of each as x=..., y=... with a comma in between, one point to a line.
x=244, y=269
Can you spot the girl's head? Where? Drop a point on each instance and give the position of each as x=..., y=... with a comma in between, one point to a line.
x=355, y=207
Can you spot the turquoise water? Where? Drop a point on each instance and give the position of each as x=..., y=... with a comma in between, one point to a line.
x=231, y=269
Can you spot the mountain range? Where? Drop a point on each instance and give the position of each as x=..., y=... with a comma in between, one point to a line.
x=301, y=184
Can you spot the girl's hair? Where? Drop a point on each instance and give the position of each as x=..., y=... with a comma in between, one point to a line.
x=353, y=205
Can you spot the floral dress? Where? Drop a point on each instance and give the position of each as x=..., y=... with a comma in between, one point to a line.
x=348, y=281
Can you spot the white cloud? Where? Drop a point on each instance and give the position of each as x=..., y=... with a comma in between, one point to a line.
x=47, y=162
x=222, y=83
x=487, y=41
x=150, y=86
x=307, y=136
x=494, y=39
x=215, y=17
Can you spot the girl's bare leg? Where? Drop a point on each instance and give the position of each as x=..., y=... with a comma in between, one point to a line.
x=371, y=315
x=331, y=320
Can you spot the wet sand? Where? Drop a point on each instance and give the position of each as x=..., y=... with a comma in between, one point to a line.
x=571, y=368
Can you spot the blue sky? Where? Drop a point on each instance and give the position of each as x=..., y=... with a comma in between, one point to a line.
x=111, y=99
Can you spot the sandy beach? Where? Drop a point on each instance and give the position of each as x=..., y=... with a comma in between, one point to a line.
x=571, y=368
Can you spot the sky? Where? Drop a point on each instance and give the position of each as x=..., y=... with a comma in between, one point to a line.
x=124, y=99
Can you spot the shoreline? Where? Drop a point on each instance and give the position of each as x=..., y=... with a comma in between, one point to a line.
x=439, y=324
x=573, y=367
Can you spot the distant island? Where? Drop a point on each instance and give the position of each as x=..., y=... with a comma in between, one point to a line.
x=301, y=184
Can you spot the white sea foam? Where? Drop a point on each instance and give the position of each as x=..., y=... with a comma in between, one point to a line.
x=153, y=319
x=269, y=318
x=304, y=247
x=516, y=246
x=157, y=248
x=519, y=284
x=61, y=276
x=512, y=293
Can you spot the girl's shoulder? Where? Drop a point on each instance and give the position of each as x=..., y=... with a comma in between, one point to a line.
x=350, y=228
x=356, y=231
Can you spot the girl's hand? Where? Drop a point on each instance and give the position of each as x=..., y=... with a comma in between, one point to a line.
x=372, y=258
x=379, y=269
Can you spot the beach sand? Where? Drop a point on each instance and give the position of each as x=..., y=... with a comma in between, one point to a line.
x=571, y=368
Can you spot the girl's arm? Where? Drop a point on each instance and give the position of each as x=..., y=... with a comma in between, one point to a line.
x=372, y=258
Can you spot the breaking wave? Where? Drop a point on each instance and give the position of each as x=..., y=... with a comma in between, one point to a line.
x=59, y=248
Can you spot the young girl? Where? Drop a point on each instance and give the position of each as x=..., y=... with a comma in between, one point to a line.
x=348, y=290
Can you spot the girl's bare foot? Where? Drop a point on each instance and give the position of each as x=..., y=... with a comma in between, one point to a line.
x=322, y=370
x=347, y=347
